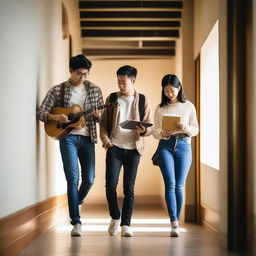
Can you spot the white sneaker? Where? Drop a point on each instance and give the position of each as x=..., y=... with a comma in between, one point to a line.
x=113, y=227
x=126, y=231
x=175, y=229
x=77, y=230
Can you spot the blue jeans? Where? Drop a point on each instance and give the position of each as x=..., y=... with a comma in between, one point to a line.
x=174, y=157
x=74, y=148
x=116, y=157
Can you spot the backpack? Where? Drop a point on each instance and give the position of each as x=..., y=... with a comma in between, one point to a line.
x=113, y=98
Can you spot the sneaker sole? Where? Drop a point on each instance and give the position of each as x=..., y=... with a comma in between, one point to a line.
x=126, y=235
x=174, y=234
x=76, y=234
x=112, y=234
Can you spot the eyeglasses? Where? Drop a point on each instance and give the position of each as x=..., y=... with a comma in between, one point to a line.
x=82, y=74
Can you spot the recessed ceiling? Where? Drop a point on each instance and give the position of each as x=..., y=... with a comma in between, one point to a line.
x=130, y=29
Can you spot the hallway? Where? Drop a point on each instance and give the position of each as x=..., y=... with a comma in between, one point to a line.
x=151, y=228
x=209, y=44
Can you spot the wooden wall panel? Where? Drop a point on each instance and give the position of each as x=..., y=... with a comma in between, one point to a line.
x=19, y=229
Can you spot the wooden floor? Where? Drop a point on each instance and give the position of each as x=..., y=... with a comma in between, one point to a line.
x=151, y=229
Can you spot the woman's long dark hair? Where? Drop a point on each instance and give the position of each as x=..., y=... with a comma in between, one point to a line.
x=175, y=82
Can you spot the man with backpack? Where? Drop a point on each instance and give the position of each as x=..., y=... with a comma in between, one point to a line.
x=124, y=147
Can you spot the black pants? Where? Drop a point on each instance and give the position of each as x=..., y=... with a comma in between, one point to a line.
x=116, y=157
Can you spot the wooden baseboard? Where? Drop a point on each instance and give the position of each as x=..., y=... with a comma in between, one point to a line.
x=210, y=219
x=148, y=200
x=139, y=200
x=190, y=213
x=19, y=229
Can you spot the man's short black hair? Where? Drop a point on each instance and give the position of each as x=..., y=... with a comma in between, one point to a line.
x=79, y=61
x=128, y=71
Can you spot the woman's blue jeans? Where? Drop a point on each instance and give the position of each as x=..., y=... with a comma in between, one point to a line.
x=74, y=148
x=174, y=157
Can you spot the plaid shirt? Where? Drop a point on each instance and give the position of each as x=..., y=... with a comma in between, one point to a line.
x=53, y=99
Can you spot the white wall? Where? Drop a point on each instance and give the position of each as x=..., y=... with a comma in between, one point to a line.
x=206, y=12
x=34, y=57
x=19, y=75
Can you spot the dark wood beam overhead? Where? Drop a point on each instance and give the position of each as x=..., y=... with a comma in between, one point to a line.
x=130, y=27
x=130, y=23
x=159, y=43
x=129, y=33
x=130, y=4
x=130, y=14
x=141, y=52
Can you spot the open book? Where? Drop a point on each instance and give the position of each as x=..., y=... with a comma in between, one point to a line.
x=169, y=120
x=131, y=124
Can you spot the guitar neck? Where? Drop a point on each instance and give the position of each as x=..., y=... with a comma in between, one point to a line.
x=89, y=111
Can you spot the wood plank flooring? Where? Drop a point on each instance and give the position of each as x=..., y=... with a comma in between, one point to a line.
x=151, y=229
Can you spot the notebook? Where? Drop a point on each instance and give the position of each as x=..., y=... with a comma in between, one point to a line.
x=169, y=120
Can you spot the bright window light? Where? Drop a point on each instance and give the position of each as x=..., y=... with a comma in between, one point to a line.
x=209, y=99
x=95, y=225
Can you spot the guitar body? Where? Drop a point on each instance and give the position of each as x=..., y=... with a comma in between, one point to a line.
x=58, y=130
x=76, y=116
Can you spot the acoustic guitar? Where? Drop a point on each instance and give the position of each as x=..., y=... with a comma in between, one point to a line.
x=76, y=116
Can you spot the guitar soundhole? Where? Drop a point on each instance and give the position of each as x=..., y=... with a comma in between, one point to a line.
x=71, y=116
x=59, y=125
x=64, y=125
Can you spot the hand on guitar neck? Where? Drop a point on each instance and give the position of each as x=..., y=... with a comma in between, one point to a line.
x=96, y=113
x=62, y=118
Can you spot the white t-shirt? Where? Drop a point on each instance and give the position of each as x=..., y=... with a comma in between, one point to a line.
x=78, y=94
x=124, y=138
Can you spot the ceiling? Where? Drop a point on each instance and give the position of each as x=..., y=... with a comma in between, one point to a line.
x=130, y=29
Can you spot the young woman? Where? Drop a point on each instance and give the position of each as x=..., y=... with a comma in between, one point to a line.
x=174, y=150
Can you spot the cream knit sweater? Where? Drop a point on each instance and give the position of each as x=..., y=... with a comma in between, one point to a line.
x=187, y=112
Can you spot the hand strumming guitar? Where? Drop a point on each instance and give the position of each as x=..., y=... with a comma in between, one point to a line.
x=59, y=118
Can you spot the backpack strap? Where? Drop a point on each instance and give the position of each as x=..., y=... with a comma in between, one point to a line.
x=141, y=106
x=112, y=99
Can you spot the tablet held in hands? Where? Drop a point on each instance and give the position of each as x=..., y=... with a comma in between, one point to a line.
x=131, y=124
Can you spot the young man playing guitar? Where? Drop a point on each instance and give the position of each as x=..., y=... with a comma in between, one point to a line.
x=79, y=143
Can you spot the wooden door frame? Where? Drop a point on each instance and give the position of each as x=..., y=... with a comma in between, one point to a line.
x=239, y=61
x=197, y=143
